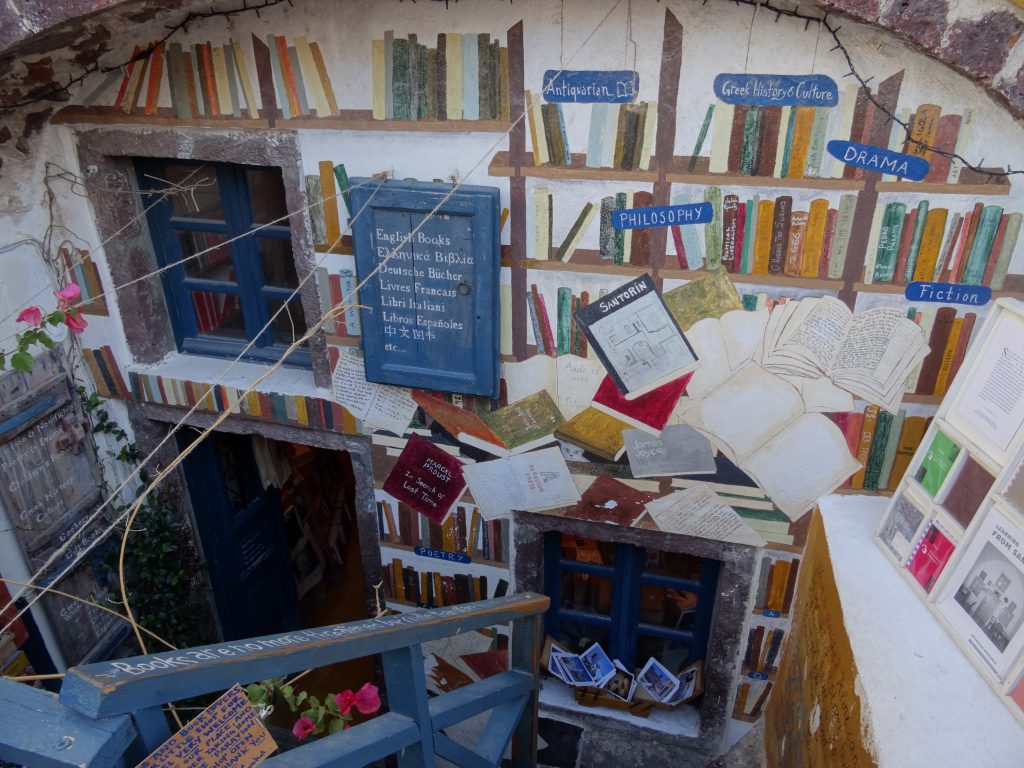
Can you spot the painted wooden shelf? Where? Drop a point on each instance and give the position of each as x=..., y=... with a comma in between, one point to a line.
x=344, y=248
x=583, y=260
x=344, y=341
x=347, y=120
x=861, y=492
x=500, y=166
x=680, y=173
x=782, y=281
x=971, y=183
x=473, y=560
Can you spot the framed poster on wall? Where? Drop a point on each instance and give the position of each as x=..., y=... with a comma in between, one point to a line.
x=430, y=259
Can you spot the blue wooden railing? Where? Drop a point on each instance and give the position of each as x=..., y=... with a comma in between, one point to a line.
x=111, y=713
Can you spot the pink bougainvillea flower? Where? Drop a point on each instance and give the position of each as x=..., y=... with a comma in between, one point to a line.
x=67, y=294
x=366, y=700
x=345, y=701
x=31, y=315
x=75, y=323
x=303, y=727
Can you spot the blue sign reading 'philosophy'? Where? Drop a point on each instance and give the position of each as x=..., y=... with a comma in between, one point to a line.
x=662, y=216
x=777, y=90
x=910, y=167
x=949, y=293
x=588, y=86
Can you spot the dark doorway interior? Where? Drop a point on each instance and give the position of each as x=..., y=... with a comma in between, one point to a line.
x=278, y=528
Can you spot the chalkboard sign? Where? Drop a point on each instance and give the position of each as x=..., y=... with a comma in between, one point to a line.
x=430, y=304
x=50, y=483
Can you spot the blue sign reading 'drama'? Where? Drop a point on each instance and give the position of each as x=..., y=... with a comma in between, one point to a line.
x=662, y=216
x=777, y=90
x=949, y=293
x=588, y=86
x=910, y=167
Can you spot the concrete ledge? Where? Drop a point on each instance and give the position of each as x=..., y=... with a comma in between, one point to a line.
x=926, y=705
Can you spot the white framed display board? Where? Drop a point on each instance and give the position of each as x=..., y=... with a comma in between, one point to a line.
x=955, y=525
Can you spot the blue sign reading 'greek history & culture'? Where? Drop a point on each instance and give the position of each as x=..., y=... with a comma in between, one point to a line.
x=588, y=86
x=910, y=167
x=662, y=216
x=777, y=90
x=949, y=293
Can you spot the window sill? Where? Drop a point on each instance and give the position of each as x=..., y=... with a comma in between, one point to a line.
x=207, y=370
x=681, y=722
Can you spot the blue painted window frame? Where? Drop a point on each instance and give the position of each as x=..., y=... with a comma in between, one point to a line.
x=623, y=622
x=483, y=205
x=253, y=294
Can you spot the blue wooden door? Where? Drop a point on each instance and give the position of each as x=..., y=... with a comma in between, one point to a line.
x=242, y=531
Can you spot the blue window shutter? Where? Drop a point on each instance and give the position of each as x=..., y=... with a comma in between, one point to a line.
x=430, y=316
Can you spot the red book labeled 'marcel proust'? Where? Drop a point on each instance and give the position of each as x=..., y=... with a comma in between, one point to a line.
x=426, y=478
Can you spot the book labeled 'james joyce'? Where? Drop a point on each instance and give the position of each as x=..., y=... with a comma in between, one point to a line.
x=636, y=337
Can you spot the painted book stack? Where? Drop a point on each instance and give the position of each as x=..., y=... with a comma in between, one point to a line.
x=928, y=243
x=789, y=142
x=465, y=77
x=207, y=80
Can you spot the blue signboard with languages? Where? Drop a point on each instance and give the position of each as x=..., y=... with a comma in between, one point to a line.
x=949, y=293
x=587, y=86
x=910, y=167
x=430, y=303
x=662, y=216
x=777, y=90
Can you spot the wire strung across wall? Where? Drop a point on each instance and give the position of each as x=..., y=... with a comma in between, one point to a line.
x=833, y=30
x=228, y=411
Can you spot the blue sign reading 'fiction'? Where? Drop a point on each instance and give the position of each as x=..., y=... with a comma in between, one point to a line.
x=949, y=293
x=591, y=86
x=662, y=216
x=910, y=167
x=777, y=90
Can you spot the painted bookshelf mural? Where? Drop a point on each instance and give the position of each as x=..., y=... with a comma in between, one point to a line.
x=796, y=239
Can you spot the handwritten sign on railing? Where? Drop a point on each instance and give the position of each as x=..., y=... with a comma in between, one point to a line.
x=228, y=732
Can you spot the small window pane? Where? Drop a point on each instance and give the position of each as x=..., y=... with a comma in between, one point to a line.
x=673, y=564
x=587, y=592
x=584, y=550
x=277, y=262
x=290, y=324
x=200, y=196
x=218, y=314
x=215, y=264
x=576, y=637
x=667, y=607
x=266, y=195
x=673, y=654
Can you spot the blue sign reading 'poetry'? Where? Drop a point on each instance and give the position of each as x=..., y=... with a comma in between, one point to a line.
x=662, y=216
x=440, y=554
x=588, y=86
x=777, y=90
x=910, y=167
x=949, y=293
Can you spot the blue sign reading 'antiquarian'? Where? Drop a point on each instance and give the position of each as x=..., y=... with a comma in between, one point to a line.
x=662, y=216
x=910, y=167
x=588, y=86
x=949, y=293
x=440, y=554
x=777, y=90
